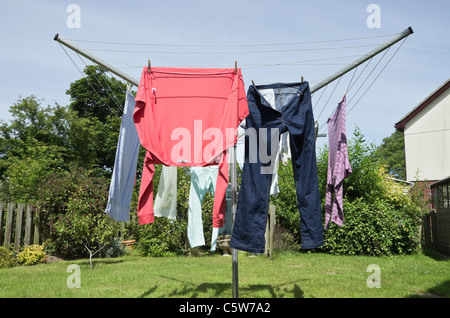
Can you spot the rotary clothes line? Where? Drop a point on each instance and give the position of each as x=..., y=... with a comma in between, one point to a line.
x=322, y=84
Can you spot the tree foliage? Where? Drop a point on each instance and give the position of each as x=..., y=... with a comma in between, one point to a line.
x=391, y=153
x=97, y=95
x=60, y=158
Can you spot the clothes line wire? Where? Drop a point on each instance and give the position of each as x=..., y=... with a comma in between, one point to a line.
x=351, y=86
x=323, y=126
x=234, y=45
x=234, y=52
x=315, y=62
x=335, y=86
x=302, y=62
x=365, y=80
x=351, y=80
x=73, y=62
x=107, y=89
x=395, y=53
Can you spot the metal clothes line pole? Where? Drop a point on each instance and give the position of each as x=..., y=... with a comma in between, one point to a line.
x=362, y=59
x=234, y=252
x=96, y=60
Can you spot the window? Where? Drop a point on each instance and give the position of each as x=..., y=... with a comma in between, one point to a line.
x=443, y=193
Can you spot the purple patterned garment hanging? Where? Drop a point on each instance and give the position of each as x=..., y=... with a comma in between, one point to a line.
x=338, y=166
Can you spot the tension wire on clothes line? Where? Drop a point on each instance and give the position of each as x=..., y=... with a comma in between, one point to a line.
x=345, y=93
x=351, y=86
x=249, y=66
x=365, y=80
x=351, y=80
x=401, y=44
x=73, y=62
x=108, y=88
x=233, y=45
x=373, y=81
x=326, y=103
x=234, y=52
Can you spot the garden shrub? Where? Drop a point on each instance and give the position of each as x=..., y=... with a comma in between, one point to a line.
x=284, y=240
x=380, y=217
x=166, y=237
x=372, y=228
x=31, y=255
x=74, y=215
x=113, y=249
x=7, y=257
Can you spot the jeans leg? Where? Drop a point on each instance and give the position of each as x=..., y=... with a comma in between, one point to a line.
x=253, y=202
x=300, y=123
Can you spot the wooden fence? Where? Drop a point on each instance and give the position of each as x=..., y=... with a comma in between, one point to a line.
x=19, y=225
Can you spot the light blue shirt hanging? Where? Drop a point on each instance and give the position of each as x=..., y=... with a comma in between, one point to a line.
x=124, y=171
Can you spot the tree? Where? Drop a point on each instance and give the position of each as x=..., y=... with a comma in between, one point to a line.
x=31, y=122
x=97, y=95
x=43, y=140
x=99, y=100
x=26, y=172
x=391, y=153
x=32, y=148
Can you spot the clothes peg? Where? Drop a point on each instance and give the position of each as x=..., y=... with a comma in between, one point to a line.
x=235, y=67
x=253, y=83
x=302, y=79
x=149, y=67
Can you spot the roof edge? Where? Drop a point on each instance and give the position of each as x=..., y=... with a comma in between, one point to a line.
x=439, y=182
x=400, y=125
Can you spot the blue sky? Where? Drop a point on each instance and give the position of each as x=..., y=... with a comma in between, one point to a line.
x=31, y=62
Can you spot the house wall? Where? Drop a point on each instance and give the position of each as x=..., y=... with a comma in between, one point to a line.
x=427, y=141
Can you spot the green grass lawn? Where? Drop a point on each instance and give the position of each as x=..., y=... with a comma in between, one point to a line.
x=287, y=275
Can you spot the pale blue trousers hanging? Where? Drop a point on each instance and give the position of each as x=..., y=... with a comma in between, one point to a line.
x=124, y=171
x=203, y=180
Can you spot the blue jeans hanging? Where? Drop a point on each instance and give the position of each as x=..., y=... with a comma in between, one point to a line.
x=291, y=111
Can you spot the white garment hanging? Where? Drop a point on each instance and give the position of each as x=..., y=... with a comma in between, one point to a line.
x=166, y=199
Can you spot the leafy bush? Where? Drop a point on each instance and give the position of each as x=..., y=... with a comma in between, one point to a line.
x=380, y=217
x=283, y=240
x=373, y=228
x=31, y=255
x=73, y=214
x=162, y=238
x=113, y=249
x=166, y=237
x=7, y=257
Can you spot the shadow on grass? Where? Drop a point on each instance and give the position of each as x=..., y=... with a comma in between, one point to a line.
x=215, y=290
x=435, y=255
x=438, y=291
x=99, y=261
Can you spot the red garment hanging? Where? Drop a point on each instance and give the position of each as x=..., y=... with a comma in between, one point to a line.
x=188, y=117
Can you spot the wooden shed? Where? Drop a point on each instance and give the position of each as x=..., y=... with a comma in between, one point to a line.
x=441, y=198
